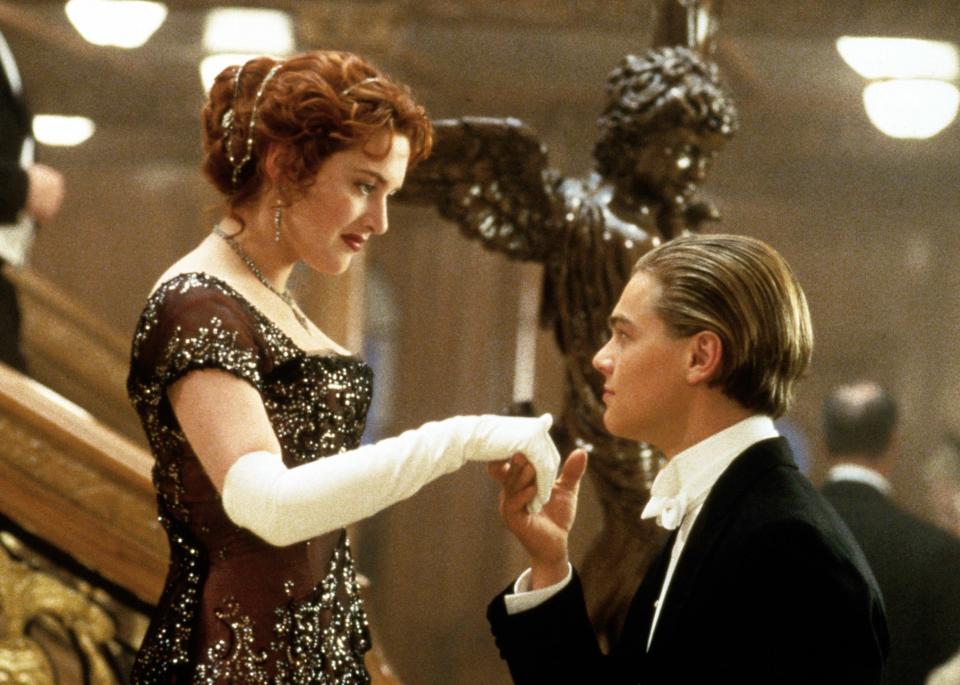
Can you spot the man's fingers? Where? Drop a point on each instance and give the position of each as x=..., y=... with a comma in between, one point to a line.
x=516, y=473
x=573, y=469
x=516, y=502
x=498, y=469
x=502, y=469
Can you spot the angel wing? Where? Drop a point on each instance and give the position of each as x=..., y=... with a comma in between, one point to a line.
x=490, y=177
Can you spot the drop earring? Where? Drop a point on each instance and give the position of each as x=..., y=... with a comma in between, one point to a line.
x=276, y=222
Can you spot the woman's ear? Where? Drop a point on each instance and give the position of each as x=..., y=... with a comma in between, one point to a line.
x=705, y=357
x=272, y=166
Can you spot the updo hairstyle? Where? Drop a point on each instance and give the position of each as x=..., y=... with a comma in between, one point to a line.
x=317, y=103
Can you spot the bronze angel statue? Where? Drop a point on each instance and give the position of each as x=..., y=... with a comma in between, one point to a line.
x=667, y=115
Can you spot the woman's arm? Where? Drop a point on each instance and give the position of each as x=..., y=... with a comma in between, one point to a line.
x=223, y=418
x=225, y=422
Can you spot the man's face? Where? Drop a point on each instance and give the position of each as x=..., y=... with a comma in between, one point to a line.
x=644, y=366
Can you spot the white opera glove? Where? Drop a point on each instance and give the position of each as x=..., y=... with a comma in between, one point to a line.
x=284, y=506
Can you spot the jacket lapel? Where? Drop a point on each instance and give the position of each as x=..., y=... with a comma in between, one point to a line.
x=711, y=525
x=636, y=627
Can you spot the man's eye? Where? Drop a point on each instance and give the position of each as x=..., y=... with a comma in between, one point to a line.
x=366, y=188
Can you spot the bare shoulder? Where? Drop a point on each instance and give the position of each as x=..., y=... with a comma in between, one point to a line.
x=203, y=259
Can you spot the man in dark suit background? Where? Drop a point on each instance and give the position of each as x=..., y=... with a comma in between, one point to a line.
x=29, y=193
x=760, y=582
x=916, y=564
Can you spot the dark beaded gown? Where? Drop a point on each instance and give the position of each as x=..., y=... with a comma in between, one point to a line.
x=236, y=609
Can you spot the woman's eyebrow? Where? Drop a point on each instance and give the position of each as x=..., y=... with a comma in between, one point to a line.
x=371, y=172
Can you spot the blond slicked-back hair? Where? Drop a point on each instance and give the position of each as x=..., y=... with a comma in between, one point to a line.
x=742, y=290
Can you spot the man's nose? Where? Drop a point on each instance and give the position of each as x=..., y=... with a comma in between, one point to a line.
x=601, y=360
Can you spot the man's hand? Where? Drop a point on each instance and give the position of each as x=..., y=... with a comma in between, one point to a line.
x=44, y=192
x=543, y=535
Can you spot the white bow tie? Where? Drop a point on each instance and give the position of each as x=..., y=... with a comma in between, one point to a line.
x=669, y=511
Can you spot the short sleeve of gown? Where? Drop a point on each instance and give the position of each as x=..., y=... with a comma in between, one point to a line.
x=192, y=324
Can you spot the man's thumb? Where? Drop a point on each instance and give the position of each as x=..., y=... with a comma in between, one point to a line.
x=573, y=469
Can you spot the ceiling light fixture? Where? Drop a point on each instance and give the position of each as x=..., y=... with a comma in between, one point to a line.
x=59, y=130
x=233, y=36
x=913, y=91
x=117, y=23
x=911, y=108
x=910, y=58
x=261, y=31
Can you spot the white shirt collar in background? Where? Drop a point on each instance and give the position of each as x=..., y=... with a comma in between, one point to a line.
x=859, y=474
x=10, y=67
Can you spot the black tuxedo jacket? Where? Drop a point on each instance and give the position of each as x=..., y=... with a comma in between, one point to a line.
x=14, y=128
x=918, y=568
x=770, y=588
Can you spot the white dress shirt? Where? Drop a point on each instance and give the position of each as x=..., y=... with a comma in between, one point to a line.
x=16, y=239
x=677, y=496
x=9, y=66
x=691, y=475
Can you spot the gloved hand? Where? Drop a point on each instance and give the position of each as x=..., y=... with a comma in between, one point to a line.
x=284, y=506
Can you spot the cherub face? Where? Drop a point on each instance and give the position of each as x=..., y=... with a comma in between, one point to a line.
x=672, y=161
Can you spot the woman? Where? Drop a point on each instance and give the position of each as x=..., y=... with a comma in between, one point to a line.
x=241, y=395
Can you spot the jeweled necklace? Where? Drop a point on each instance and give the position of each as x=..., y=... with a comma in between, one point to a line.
x=255, y=270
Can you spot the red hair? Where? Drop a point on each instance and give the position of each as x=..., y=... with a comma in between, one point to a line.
x=317, y=103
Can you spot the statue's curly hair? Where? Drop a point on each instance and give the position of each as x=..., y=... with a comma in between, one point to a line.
x=668, y=87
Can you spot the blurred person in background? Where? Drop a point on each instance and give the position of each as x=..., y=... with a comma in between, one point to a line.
x=30, y=194
x=916, y=564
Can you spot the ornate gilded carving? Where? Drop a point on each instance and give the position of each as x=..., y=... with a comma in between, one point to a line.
x=666, y=117
x=73, y=503
x=79, y=486
x=28, y=595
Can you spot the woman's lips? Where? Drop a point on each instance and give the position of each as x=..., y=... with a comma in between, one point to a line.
x=354, y=241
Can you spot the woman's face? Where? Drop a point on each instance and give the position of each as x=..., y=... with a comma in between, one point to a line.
x=346, y=205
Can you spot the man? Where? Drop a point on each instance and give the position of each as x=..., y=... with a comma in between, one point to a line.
x=667, y=115
x=759, y=582
x=29, y=193
x=917, y=565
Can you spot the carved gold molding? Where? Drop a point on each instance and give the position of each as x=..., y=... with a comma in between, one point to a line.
x=50, y=627
x=73, y=482
x=72, y=351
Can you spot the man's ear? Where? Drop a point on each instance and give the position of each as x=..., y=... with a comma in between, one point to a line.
x=705, y=357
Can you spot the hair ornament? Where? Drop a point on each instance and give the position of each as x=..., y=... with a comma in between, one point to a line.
x=229, y=121
x=369, y=79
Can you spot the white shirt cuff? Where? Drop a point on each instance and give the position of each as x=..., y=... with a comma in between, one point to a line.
x=523, y=598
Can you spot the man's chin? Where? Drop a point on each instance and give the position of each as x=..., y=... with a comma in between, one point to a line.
x=614, y=428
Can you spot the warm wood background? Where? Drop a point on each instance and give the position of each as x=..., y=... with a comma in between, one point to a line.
x=869, y=223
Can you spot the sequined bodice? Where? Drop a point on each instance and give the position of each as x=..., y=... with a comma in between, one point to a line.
x=236, y=609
